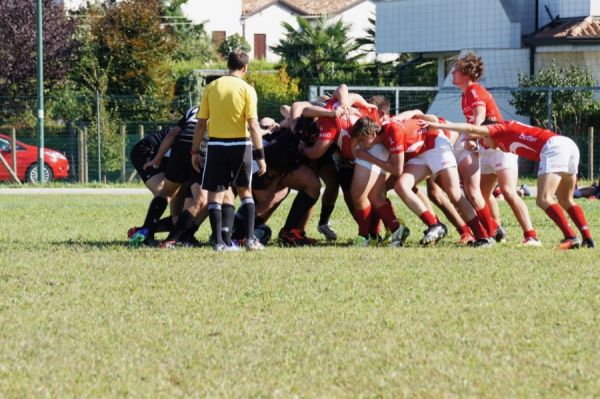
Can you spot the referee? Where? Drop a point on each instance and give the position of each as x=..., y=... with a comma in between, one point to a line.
x=230, y=105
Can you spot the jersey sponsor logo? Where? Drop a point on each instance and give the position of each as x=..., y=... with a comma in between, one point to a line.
x=526, y=137
x=515, y=146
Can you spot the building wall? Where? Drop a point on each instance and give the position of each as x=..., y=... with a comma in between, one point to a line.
x=587, y=57
x=424, y=26
x=213, y=14
x=269, y=21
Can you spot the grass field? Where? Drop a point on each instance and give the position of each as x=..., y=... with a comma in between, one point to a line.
x=81, y=314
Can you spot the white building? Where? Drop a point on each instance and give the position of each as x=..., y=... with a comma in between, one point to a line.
x=512, y=37
x=260, y=21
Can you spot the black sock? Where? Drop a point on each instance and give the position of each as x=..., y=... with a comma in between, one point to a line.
x=326, y=211
x=189, y=234
x=216, y=221
x=301, y=205
x=239, y=226
x=164, y=224
x=248, y=210
x=155, y=211
x=185, y=222
x=228, y=212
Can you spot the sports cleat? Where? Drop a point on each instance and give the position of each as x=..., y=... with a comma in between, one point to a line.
x=252, y=244
x=171, y=244
x=263, y=233
x=234, y=247
x=588, y=242
x=466, y=239
x=138, y=238
x=295, y=238
x=398, y=237
x=433, y=234
x=328, y=232
x=218, y=247
x=444, y=227
x=132, y=231
x=484, y=243
x=500, y=235
x=360, y=242
x=190, y=242
x=531, y=242
x=570, y=243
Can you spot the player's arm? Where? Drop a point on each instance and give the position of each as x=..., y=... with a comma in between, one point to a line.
x=479, y=114
x=256, y=134
x=163, y=148
x=196, y=141
x=316, y=150
x=314, y=111
x=480, y=131
x=410, y=114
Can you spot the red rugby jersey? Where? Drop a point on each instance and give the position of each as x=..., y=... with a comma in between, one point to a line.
x=474, y=96
x=524, y=140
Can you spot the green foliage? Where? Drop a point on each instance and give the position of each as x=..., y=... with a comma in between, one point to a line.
x=273, y=90
x=231, y=43
x=319, y=51
x=570, y=109
x=130, y=41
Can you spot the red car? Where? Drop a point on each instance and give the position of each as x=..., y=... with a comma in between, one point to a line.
x=56, y=165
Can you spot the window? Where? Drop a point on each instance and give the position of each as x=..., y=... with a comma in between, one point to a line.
x=260, y=46
x=218, y=37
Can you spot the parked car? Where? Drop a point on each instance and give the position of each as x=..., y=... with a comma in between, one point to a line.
x=56, y=165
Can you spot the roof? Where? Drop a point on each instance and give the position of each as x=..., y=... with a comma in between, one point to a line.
x=302, y=7
x=581, y=30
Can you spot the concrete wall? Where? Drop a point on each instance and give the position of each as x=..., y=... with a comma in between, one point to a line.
x=218, y=15
x=568, y=8
x=269, y=22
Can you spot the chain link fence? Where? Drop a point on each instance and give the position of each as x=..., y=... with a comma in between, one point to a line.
x=97, y=146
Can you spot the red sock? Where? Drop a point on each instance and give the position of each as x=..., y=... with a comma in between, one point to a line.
x=428, y=218
x=363, y=219
x=464, y=230
x=374, y=224
x=487, y=220
x=478, y=230
x=530, y=234
x=577, y=216
x=386, y=213
x=558, y=216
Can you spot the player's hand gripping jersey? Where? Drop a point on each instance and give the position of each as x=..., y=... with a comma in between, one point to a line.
x=338, y=129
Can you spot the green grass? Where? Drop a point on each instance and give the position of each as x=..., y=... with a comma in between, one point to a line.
x=81, y=314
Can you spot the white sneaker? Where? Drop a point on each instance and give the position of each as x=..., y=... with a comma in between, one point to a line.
x=234, y=247
x=328, y=232
x=531, y=242
x=252, y=244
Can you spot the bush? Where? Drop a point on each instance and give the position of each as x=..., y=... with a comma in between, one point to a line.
x=231, y=43
x=273, y=89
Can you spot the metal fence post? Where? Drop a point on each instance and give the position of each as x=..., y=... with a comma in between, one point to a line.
x=80, y=156
x=13, y=148
x=591, y=153
x=123, y=153
x=86, y=170
x=550, y=124
x=98, y=144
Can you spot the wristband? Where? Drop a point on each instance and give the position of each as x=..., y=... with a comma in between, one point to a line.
x=261, y=153
x=195, y=152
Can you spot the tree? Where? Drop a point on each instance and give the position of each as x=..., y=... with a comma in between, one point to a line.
x=231, y=43
x=193, y=44
x=18, y=57
x=132, y=44
x=320, y=51
x=570, y=109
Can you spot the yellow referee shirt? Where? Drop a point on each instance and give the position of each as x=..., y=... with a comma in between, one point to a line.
x=228, y=102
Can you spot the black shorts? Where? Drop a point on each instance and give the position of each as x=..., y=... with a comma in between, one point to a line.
x=179, y=168
x=139, y=156
x=194, y=178
x=227, y=163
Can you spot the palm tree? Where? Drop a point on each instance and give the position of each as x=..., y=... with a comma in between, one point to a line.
x=318, y=50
